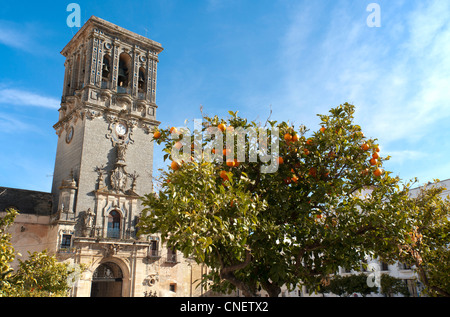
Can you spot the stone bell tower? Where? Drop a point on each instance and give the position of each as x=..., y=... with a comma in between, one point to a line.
x=103, y=164
x=104, y=154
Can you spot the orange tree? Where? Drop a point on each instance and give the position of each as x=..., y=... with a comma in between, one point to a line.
x=328, y=204
x=425, y=246
x=41, y=275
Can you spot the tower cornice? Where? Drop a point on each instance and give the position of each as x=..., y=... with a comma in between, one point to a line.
x=91, y=110
x=95, y=23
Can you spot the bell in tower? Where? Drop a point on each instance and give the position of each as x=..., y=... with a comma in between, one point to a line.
x=123, y=82
x=141, y=81
x=124, y=67
x=105, y=69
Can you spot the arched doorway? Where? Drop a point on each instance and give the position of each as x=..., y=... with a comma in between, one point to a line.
x=107, y=281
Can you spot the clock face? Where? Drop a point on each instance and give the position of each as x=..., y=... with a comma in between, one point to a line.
x=69, y=135
x=121, y=129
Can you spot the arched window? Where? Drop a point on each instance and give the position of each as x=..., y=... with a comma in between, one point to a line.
x=106, y=71
x=113, y=225
x=123, y=79
x=141, y=80
x=76, y=70
x=142, y=83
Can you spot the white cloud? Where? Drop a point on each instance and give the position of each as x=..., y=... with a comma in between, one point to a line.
x=413, y=93
x=10, y=124
x=21, y=36
x=26, y=98
x=397, y=77
x=12, y=37
x=34, y=38
x=406, y=156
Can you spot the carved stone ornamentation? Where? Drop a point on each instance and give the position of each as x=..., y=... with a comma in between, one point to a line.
x=91, y=114
x=113, y=121
x=111, y=249
x=120, y=152
x=133, y=176
x=119, y=179
x=100, y=181
x=88, y=223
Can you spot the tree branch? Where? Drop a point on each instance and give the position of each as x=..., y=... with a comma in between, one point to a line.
x=425, y=281
x=227, y=273
x=273, y=289
x=239, y=266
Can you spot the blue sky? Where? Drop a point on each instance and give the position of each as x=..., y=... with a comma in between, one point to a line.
x=298, y=58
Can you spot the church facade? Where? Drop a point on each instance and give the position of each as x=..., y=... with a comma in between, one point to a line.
x=103, y=164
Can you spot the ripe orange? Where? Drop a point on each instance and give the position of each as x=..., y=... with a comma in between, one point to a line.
x=365, y=146
x=373, y=161
x=377, y=149
x=230, y=163
x=173, y=130
x=221, y=127
x=309, y=142
x=157, y=135
x=288, y=137
x=295, y=138
x=174, y=165
x=280, y=160
x=294, y=178
x=378, y=172
x=236, y=163
x=322, y=129
x=306, y=151
x=223, y=175
x=375, y=155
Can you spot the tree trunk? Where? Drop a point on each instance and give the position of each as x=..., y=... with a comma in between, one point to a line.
x=272, y=289
x=227, y=273
x=424, y=279
x=245, y=288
